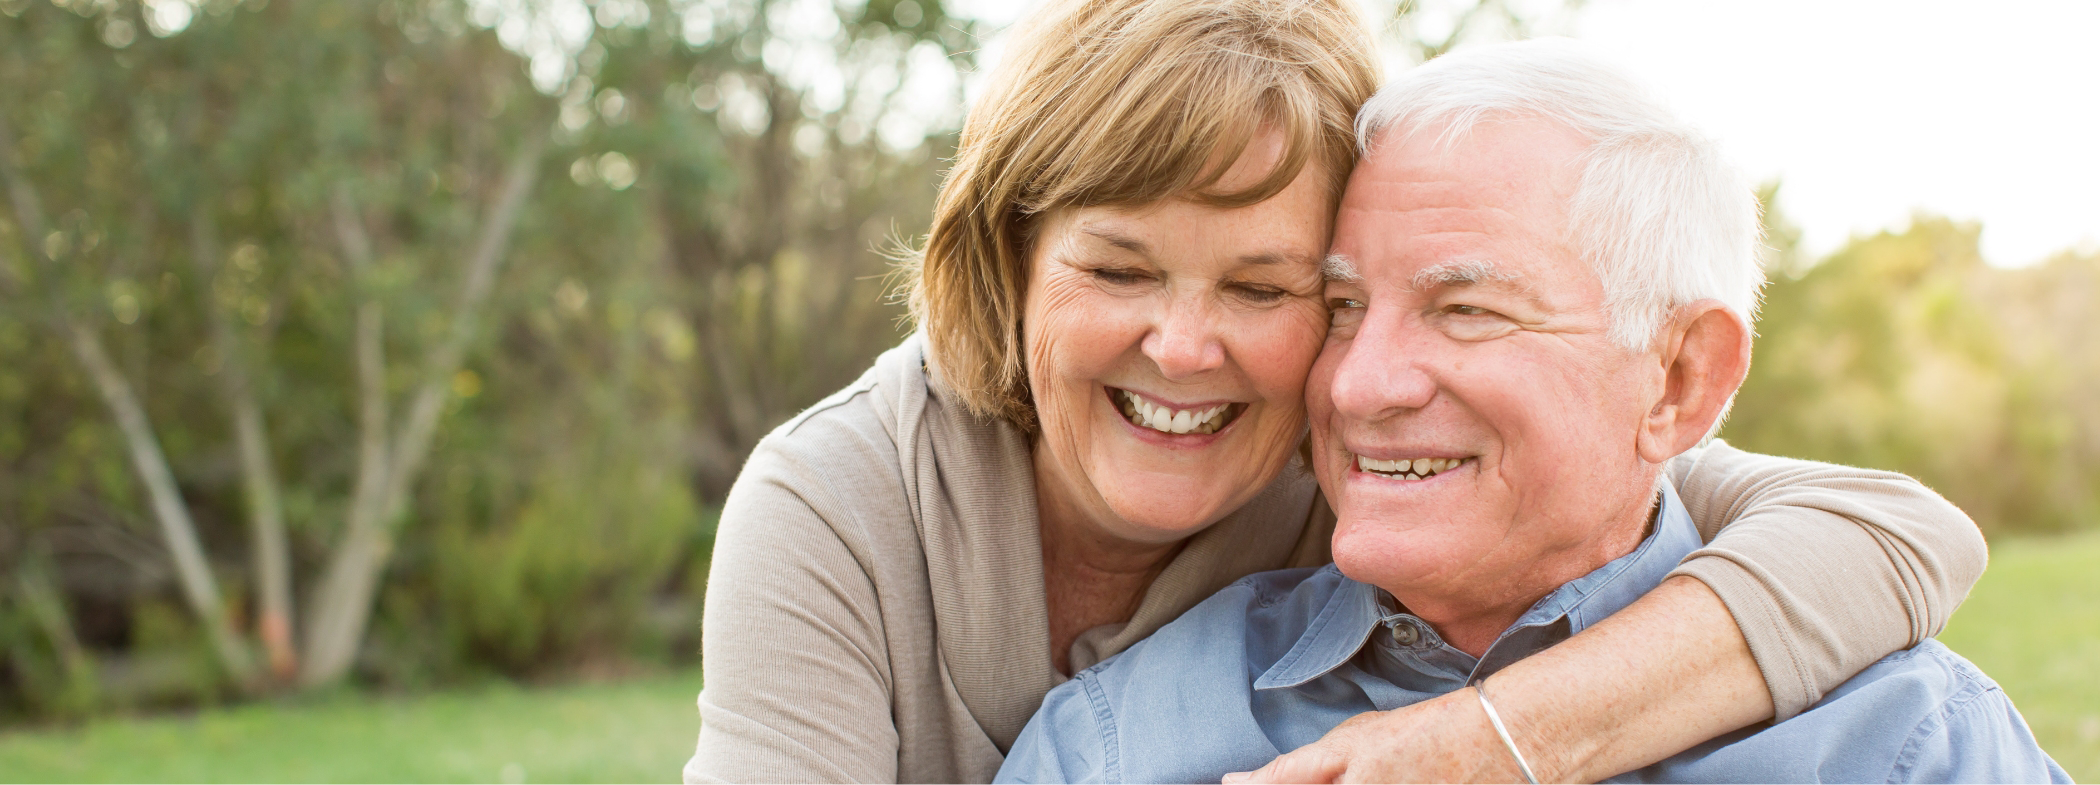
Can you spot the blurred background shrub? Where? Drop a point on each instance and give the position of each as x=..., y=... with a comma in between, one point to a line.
x=399, y=341
x=1905, y=351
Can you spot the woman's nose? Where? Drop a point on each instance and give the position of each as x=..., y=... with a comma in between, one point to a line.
x=1382, y=373
x=1185, y=342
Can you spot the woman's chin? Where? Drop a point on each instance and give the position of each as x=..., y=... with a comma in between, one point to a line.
x=1169, y=514
x=1162, y=497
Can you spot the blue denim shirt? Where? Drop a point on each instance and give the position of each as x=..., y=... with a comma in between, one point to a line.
x=1276, y=660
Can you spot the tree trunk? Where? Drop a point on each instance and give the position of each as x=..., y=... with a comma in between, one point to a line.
x=199, y=588
x=176, y=528
x=267, y=543
x=342, y=605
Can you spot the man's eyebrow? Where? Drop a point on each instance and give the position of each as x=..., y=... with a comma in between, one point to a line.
x=1337, y=267
x=1117, y=239
x=1472, y=272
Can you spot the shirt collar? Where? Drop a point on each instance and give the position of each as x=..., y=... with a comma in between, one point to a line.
x=1352, y=612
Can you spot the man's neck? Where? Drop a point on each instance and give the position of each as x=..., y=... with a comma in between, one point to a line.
x=1471, y=616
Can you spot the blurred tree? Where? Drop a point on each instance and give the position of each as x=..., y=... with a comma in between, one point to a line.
x=710, y=264
x=1905, y=351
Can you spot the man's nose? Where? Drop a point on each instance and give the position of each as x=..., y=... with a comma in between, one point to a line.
x=1185, y=341
x=1385, y=370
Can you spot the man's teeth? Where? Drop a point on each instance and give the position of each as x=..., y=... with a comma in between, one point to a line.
x=1416, y=469
x=1161, y=418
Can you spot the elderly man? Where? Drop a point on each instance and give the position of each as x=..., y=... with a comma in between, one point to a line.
x=1541, y=289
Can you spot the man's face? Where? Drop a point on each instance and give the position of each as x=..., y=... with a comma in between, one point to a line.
x=1474, y=347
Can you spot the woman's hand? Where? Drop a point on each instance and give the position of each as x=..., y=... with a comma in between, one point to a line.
x=1662, y=675
x=1445, y=739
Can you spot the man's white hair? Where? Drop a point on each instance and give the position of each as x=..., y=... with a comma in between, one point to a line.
x=1659, y=214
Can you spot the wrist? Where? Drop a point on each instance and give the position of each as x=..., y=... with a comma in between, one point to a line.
x=1487, y=706
x=1555, y=749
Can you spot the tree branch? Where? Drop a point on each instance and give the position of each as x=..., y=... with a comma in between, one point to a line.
x=342, y=606
x=268, y=545
x=198, y=586
x=412, y=443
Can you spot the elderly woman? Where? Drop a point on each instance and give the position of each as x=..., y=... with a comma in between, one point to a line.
x=1096, y=428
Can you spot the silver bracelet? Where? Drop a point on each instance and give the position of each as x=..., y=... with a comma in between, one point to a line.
x=1480, y=688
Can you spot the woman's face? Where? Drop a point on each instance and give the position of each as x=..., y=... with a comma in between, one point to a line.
x=1167, y=350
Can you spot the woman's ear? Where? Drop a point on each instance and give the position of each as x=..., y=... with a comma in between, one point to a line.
x=1705, y=356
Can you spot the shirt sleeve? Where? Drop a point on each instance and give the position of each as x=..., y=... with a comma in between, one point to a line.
x=1982, y=739
x=793, y=657
x=1825, y=568
x=1066, y=740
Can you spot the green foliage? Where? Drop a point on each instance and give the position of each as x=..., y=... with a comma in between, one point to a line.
x=1905, y=351
x=701, y=259
x=568, y=575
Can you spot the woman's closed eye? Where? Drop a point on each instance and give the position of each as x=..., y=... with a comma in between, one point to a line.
x=1257, y=294
x=1121, y=276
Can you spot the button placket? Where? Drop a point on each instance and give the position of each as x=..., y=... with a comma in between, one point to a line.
x=1408, y=632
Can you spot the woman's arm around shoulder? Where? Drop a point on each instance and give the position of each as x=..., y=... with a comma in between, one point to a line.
x=1825, y=568
x=793, y=655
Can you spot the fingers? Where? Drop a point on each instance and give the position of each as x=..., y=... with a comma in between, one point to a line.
x=1313, y=764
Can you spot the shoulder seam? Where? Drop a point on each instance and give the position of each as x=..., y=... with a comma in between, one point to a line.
x=1105, y=722
x=830, y=402
x=1962, y=700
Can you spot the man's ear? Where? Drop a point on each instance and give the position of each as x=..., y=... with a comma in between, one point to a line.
x=1705, y=355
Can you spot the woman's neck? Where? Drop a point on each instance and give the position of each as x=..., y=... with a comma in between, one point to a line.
x=1090, y=577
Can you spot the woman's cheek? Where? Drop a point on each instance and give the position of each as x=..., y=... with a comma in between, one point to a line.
x=1281, y=348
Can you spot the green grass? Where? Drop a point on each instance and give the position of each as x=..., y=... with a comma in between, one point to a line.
x=635, y=731
x=2033, y=624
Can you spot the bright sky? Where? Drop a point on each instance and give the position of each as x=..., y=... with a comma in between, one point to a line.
x=1868, y=110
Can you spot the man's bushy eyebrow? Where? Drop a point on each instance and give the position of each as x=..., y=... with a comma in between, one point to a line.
x=1337, y=267
x=1463, y=273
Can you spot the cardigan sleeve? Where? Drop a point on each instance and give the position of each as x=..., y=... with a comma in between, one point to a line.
x=1825, y=568
x=796, y=674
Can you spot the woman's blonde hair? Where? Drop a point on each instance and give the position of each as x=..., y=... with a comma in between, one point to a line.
x=1121, y=102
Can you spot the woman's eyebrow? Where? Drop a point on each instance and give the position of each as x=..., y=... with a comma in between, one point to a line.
x=1280, y=257
x=1118, y=239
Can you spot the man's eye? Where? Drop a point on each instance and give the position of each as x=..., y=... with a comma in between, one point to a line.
x=1343, y=312
x=1474, y=323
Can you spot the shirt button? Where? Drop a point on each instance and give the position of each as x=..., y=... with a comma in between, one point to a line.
x=1405, y=633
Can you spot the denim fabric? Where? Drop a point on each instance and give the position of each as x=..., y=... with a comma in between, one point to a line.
x=1274, y=661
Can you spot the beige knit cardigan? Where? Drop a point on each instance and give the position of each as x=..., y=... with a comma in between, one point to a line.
x=875, y=609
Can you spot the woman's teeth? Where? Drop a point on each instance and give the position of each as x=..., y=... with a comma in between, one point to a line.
x=1160, y=418
x=1417, y=469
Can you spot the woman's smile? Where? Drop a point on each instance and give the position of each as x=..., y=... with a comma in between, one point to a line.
x=1156, y=417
